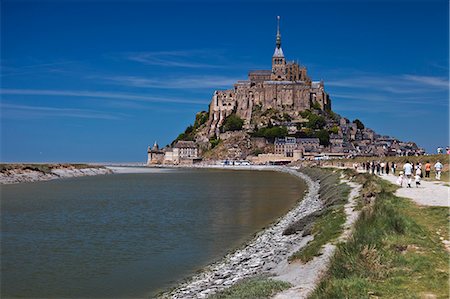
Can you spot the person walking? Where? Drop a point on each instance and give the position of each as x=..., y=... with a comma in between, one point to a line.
x=408, y=169
x=427, y=169
x=378, y=168
x=400, y=179
x=372, y=167
x=418, y=176
x=382, y=165
x=419, y=166
x=438, y=169
x=394, y=167
x=387, y=168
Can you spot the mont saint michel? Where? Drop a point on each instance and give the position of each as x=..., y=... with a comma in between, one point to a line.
x=276, y=116
x=239, y=149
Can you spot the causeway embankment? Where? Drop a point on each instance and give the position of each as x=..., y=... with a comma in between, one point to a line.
x=21, y=173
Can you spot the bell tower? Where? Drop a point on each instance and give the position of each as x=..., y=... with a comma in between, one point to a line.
x=278, y=60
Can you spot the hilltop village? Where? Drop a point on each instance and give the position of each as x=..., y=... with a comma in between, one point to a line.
x=277, y=116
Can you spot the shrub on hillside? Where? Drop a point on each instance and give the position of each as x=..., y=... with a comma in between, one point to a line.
x=324, y=137
x=232, y=123
x=200, y=119
x=214, y=141
x=271, y=133
x=359, y=124
x=316, y=105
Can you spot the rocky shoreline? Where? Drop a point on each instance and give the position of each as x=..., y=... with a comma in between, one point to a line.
x=21, y=174
x=261, y=255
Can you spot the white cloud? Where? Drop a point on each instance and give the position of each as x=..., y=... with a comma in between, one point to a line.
x=183, y=82
x=392, y=83
x=182, y=58
x=429, y=80
x=96, y=94
x=27, y=111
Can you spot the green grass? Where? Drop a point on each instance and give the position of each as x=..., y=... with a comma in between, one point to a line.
x=395, y=250
x=325, y=226
x=325, y=229
x=257, y=287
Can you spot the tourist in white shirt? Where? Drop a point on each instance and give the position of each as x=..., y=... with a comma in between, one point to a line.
x=438, y=168
x=418, y=176
x=407, y=167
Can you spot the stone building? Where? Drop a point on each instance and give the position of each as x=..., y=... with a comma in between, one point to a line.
x=285, y=146
x=183, y=152
x=286, y=87
x=296, y=147
x=310, y=145
x=154, y=155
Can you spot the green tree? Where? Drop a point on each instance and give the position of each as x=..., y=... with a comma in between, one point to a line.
x=359, y=124
x=324, y=137
x=200, y=119
x=334, y=116
x=271, y=133
x=334, y=130
x=232, y=123
x=214, y=141
x=305, y=113
x=189, y=130
x=315, y=121
x=308, y=132
x=316, y=105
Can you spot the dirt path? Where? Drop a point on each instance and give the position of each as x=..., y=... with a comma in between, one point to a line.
x=305, y=277
x=428, y=193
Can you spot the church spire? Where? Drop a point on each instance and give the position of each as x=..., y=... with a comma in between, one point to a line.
x=278, y=33
x=278, y=50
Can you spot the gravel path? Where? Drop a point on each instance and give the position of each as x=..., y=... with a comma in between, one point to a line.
x=428, y=193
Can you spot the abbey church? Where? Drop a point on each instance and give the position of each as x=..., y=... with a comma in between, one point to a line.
x=286, y=87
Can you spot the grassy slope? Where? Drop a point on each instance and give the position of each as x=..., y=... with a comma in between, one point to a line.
x=325, y=229
x=258, y=287
x=329, y=225
x=395, y=250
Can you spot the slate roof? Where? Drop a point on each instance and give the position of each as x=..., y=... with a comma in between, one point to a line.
x=185, y=144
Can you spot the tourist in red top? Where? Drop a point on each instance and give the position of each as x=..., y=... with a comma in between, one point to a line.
x=427, y=169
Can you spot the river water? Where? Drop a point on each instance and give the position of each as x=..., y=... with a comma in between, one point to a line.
x=131, y=235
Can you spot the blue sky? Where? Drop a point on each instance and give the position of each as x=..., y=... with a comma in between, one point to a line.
x=87, y=81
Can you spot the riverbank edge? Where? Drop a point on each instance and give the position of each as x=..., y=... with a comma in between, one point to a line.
x=25, y=175
x=262, y=254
